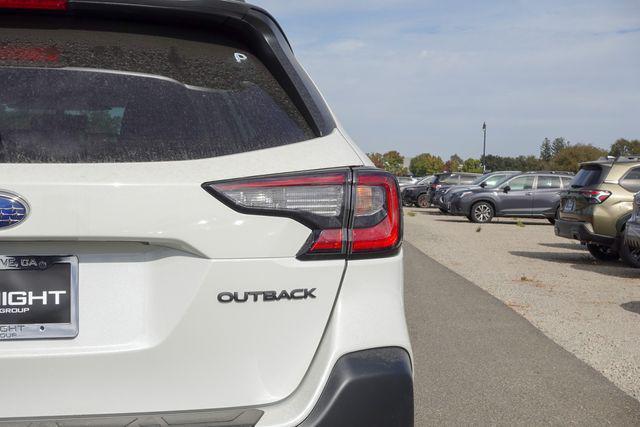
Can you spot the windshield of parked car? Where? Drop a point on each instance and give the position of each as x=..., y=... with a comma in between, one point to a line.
x=495, y=180
x=426, y=181
x=479, y=180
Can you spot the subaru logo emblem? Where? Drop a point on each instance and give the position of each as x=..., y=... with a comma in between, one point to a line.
x=13, y=209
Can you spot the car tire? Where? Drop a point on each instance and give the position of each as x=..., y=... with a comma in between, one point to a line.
x=602, y=253
x=482, y=212
x=443, y=210
x=630, y=255
x=423, y=201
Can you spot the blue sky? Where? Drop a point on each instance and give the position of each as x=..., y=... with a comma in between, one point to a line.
x=422, y=75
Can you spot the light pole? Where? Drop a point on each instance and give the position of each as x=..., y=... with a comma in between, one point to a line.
x=484, y=147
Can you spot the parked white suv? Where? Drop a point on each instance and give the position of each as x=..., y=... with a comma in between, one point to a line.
x=186, y=234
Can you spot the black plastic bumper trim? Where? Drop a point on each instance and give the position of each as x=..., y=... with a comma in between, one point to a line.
x=578, y=231
x=368, y=388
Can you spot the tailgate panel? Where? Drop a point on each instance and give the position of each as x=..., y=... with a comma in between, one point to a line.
x=151, y=327
x=155, y=250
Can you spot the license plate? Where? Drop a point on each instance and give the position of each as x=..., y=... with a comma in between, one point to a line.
x=38, y=297
x=569, y=205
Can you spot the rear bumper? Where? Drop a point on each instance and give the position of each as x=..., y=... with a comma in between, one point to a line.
x=632, y=234
x=582, y=231
x=225, y=418
x=365, y=388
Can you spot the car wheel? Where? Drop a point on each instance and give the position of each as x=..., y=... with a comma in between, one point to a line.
x=443, y=210
x=603, y=253
x=423, y=201
x=482, y=212
x=630, y=255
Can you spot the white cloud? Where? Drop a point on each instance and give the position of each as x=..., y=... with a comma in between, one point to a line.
x=345, y=46
x=421, y=76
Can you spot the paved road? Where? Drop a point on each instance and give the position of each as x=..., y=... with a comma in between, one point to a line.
x=478, y=362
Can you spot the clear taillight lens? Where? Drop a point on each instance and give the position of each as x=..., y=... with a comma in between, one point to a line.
x=349, y=212
x=321, y=200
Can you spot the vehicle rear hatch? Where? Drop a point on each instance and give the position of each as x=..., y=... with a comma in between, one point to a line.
x=584, y=193
x=109, y=129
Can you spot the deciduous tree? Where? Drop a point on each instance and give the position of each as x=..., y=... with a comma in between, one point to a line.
x=569, y=158
x=624, y=147
x=426, y=164
x=472, y=166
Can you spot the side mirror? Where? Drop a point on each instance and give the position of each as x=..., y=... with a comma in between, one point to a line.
x=506, y=189
x=483, y=185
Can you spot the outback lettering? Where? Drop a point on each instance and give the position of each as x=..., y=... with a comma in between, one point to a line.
x=265, y=296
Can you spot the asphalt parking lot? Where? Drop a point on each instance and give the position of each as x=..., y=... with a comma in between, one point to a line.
x=502, y=336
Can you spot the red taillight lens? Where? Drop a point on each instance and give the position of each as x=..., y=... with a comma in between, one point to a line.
x=377, y=224
x=361, y=218
x=34, y=4
x=595, y=196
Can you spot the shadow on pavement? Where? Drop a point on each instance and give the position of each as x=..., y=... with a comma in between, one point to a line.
x=583, y=262
x=572, y=246
x=496, y=222
x=632, y=306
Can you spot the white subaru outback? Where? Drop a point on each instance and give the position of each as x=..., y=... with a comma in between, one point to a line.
x=187, y=236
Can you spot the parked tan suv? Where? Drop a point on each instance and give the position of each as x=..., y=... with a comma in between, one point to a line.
x=598, y=205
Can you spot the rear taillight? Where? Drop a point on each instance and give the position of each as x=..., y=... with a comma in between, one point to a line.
x=435, y=186
x=595, y=196
x=351, y=213
x=377, y=218
x=34, y=4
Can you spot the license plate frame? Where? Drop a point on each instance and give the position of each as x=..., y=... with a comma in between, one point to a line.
x=569, y=205
x=12, y=331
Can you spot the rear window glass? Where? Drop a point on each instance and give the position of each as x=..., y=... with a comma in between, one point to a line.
x=631, y=181
x=588, y=176
x=77, y=91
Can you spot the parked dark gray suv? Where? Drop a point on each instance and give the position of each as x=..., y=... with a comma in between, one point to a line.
x=530, y=194
x=444, y=195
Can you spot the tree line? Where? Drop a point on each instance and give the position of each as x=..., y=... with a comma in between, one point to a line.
x=557, y=154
